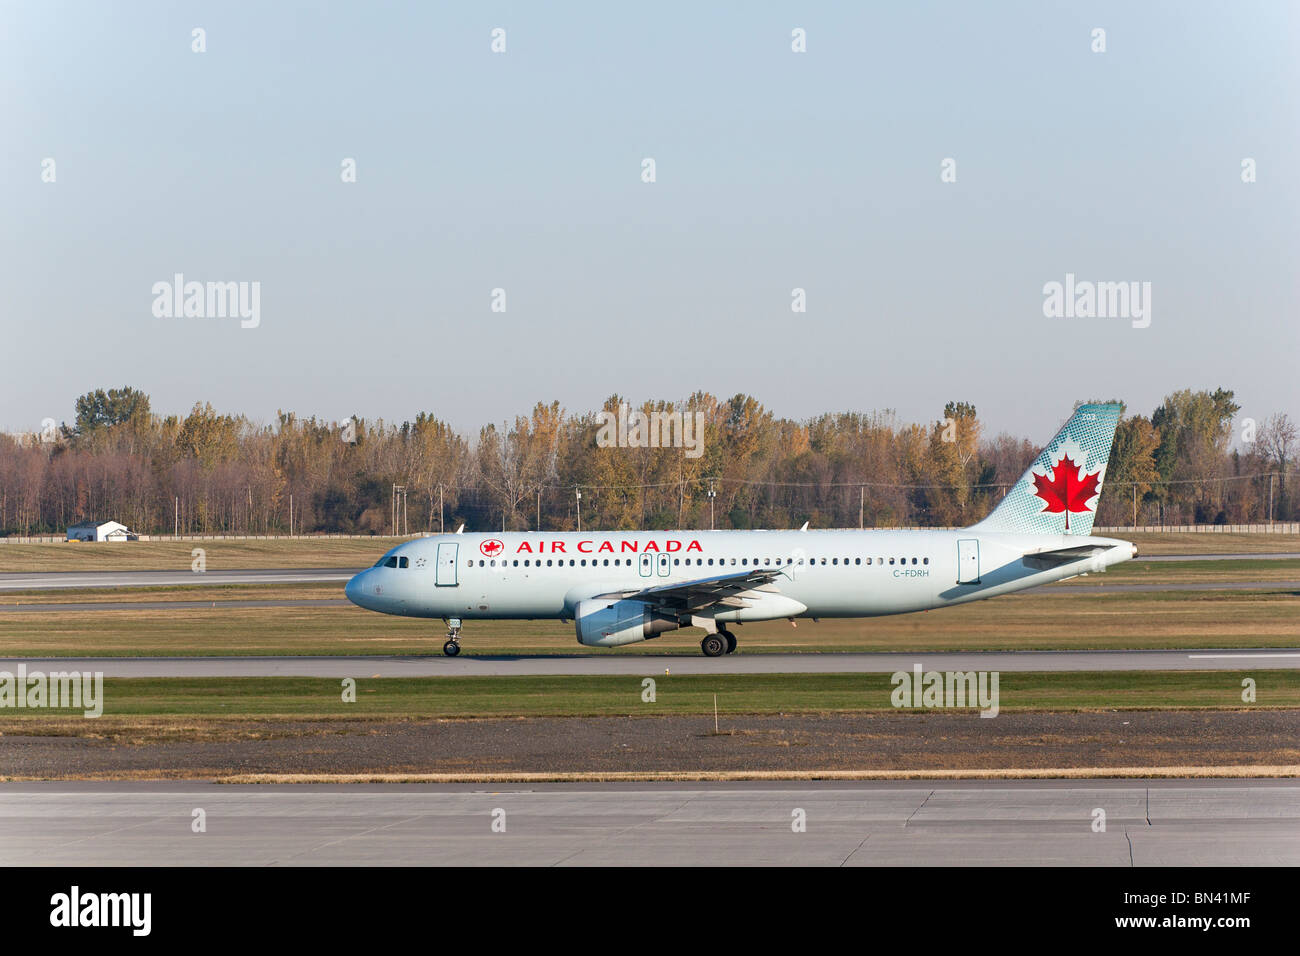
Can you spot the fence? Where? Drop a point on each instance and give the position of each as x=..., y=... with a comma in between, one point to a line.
x=1277, y=527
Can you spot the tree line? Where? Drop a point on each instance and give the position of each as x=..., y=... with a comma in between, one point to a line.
x=209, y=472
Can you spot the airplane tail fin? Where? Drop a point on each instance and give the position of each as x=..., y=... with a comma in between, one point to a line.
x=1060, y=491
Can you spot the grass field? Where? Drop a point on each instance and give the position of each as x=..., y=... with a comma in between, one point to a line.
x=176, y=555
x=1061, y=617
x=1039, y=620
x=349, y=553
x=463, y=697
x=1175, y=573
x=1169, y=574
x=1202, y=543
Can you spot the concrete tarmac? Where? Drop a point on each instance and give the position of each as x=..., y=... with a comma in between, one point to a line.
x=62, y=580
x=83, y=606
x=613, y=662
x=1147, y=823
x=1051, y=590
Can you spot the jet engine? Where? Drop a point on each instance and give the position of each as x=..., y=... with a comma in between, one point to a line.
x=606, y=623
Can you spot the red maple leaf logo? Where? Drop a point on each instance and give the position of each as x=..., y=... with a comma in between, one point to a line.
x=1068, y=490
x=491, y=547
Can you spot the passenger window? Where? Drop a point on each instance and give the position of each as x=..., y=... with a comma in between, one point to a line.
x=891, y=560
x=926, y=561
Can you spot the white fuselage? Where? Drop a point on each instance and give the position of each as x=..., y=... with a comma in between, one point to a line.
x=844, y=573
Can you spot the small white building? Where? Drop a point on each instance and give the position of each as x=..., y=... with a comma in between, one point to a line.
x=100, y=531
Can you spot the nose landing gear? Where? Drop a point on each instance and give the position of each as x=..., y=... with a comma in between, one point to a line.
x=452, y=647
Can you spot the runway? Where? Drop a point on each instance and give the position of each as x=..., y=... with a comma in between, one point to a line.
x=58, y=580
x=1051, y=590
x=1147, y=823
x=646, y=664
x=1260, y=556
x=87, y=606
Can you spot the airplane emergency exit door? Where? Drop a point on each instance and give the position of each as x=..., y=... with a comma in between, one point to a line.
x=968, y=561
x=446, y=576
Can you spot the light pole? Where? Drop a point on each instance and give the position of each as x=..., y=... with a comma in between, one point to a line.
x=712, y=495
x=400, y=514
x=578, y=497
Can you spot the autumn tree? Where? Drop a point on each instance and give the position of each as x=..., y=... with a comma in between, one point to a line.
x=1132, y=472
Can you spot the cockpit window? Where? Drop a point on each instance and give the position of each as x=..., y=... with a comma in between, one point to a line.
x=403, y=562
x=391, y=562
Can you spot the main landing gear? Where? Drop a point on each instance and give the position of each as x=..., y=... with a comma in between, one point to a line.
x=715, y=645
x=452, y=647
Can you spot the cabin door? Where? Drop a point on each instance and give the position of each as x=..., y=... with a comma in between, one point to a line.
x=968, y=561
x=446, y=576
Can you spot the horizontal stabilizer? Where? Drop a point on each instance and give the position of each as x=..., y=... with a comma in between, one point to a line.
x=1046, y=560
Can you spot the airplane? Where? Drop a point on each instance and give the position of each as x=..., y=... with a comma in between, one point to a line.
x=623, y=587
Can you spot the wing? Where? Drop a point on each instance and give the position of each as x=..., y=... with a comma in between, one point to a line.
x=721, y=590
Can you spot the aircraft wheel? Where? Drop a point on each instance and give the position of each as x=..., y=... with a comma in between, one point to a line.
x=451, y=648
x=731, y=642
x=713, y=645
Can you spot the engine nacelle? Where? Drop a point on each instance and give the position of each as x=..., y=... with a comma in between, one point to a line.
x=614, y=623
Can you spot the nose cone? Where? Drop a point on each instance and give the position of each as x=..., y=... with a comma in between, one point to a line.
x=354, y=588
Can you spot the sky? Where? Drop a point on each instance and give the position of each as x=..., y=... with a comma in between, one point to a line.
x=522, y=170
